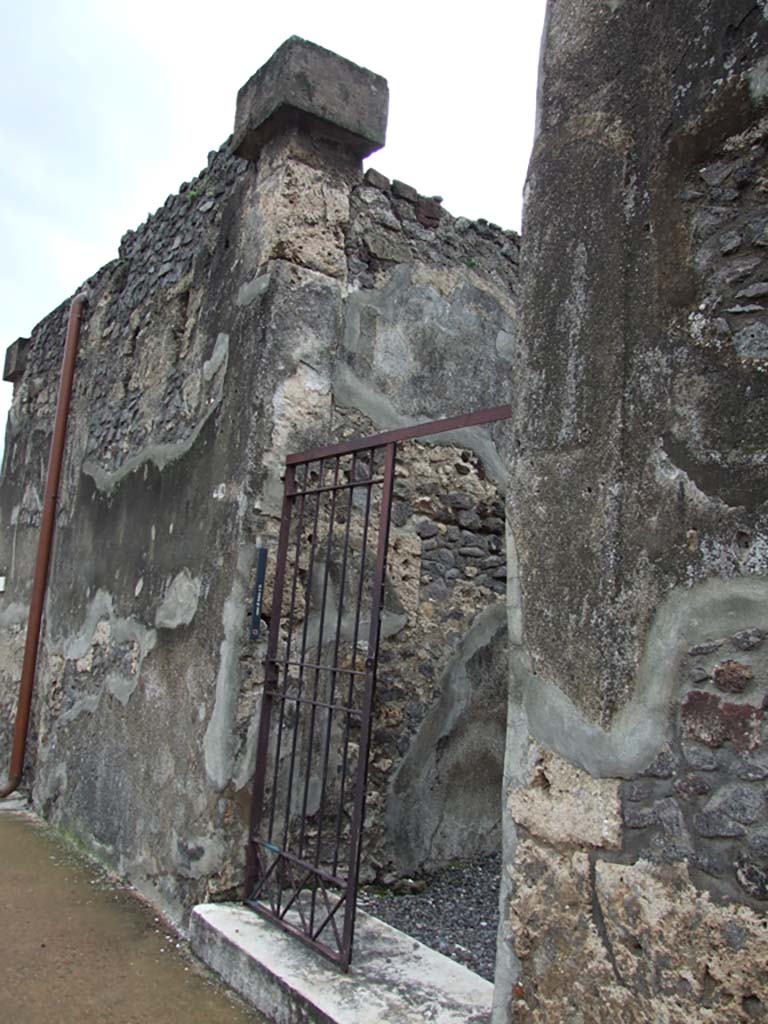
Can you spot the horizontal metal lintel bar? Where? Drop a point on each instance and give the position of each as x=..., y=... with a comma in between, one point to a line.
x=470, y=419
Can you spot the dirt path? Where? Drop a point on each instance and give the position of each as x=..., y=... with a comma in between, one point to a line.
x=76, y=948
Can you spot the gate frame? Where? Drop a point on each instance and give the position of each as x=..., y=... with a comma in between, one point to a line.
x=388, y=441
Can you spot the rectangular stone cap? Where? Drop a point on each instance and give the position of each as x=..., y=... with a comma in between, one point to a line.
x=306, y=84
x=15, y=360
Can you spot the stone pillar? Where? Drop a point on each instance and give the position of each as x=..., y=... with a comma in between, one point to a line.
x=639, y=526
x=307, y=118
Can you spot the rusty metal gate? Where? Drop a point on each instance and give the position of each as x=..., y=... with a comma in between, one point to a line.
x=308, y=803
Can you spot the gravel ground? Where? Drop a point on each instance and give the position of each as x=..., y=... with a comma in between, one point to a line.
x=457, y=913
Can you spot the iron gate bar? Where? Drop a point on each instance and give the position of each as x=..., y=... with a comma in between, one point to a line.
x=341, y=487
x=470, y=419
x=370, y=666
x=294, y=864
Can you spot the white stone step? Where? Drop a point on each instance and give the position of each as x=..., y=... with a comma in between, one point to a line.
x=393, y=978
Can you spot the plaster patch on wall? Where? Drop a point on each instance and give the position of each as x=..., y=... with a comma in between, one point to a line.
x=253, y=290
x=757, y=77
x=83, y=706
x=671, y=476
x=219, y=740
x=198, y=856
x=302, y=398
x=122, y=630
x=219, y=357
x=163, y=453
x=435, y=811
x=179, y=604
x=506, y=346
x=641, y=729
x=352, y=392
x=14, y=614
x=104, y=631
x=247, y=756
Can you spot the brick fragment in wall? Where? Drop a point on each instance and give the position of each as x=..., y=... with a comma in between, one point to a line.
x=711, y=721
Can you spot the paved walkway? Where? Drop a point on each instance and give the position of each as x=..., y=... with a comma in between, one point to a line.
x=76, y=948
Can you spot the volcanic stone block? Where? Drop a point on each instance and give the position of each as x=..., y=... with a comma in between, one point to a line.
x=304, y=84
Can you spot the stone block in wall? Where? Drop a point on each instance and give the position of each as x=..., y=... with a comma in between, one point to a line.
x=635, y=943
x=564, y=804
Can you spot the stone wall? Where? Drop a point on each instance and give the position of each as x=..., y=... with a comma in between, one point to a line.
x=258, y=312
x=637, y=758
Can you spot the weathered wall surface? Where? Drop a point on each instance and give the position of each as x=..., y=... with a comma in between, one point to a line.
x=259, y=311
x=637, y=865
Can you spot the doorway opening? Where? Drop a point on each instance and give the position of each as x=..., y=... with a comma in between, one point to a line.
x=377, y=543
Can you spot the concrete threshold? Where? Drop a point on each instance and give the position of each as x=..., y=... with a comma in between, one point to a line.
x=393, y=978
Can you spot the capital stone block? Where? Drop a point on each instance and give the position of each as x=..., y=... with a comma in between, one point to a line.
x=306, y=85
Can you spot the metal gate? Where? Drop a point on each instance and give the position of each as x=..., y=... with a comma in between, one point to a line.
x=308, y=802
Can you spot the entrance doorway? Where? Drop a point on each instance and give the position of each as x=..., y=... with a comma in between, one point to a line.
x=309, y=789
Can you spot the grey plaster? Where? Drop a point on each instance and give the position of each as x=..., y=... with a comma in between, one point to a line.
x=350, y=391
x=508, y=969
x=253, y=290
x=76, y=645
x=121, y=687
x=246, y=758
x=219, y=740
x=162, y=453
x=180, y=601
x=516, y=775
x=14, y=614
x=716, y=607
x=758, y=79
x=438, y=804
x=218, y=358
x=86, y=705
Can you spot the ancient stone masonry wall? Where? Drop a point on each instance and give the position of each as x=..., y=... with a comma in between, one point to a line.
x=234, y=327
x=142, y=402
x=392, y=223
x=637, y=760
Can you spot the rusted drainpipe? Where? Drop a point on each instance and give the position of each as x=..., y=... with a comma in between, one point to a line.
x=44, y=545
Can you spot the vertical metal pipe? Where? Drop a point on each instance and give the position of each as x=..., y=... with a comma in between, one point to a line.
x=45, y=543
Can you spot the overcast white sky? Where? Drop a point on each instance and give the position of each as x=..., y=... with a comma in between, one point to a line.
x=106, y=107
